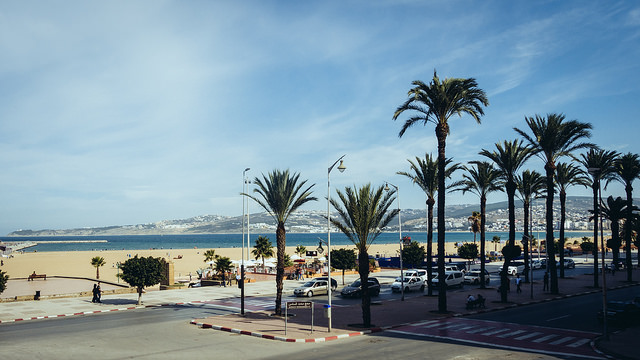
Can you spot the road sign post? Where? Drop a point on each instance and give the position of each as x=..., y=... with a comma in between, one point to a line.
x=297, y=305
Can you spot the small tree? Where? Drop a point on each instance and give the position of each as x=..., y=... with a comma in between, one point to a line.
x=210, y=255
x=474, y=222
x=586, y=246
x=413, y=254
x=141, y=272
x=97, y=262
x=287, y=260
x=223, y=265
x=263, y=249
x=495, y=241
x=301, y=250
x=3, y=281
x=468, y=251
x=343, y=259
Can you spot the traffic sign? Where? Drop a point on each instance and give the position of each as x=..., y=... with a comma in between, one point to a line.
x=299, y=304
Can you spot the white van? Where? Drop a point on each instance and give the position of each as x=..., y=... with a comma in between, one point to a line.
x=420, y=273
x=515, y=268
x=452, y=278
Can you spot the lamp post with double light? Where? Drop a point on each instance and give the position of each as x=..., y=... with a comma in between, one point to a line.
x=342, y=168
x=386, y=188
x=244, y=198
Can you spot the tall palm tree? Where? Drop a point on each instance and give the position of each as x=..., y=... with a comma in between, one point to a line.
x=495, y=241
x=424, y=173
x=474, y=221
x=301, y=250
x=600, y=165
x=436, y=103
x=362, y=214
x=614, y=210
x=481, y=180
x=530, y=184
x=97, y=262
x=627, y=170
x=509, y=157
x=566, y=175
x=552, y=138
x=262, y=249
x=280, y=194
x=210, y=255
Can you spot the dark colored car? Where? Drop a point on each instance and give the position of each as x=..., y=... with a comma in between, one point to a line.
x=334, y=283
x=622, y=312
x=355, y=289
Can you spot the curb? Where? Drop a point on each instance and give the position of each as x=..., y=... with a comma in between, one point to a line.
x=293, y=340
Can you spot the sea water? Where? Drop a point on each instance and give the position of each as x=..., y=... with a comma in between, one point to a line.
x=206, y=241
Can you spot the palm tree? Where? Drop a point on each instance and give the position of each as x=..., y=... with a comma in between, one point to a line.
x=530, y=184
x=600, y=165
x=481, y=180
x=495, y=241
x=424, y=173
x=362, y=214
x=474, y=221
x=210, y=255
x=627, y=170
x=223, y=265
x=614, y=210
x=263, y=249
x=301, y=250
x=436, y=103
x=97, y=262
x=280, y=194
x=509, y=157
x=552, y=138
x=566, y=175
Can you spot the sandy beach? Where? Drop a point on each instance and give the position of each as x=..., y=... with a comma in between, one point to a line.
x=78, y=263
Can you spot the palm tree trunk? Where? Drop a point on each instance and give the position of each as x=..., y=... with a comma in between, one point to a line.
x=563, y=203
x=441, y=134
x=430, y=203
x=551, y=264
x=595, y=233
x=527, y=242
x=281, y=237
x=483, y=205
x=627, y=231
x=363, y=270
x=511, y=194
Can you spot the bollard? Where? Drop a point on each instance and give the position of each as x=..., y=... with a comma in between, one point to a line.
x=37, y=295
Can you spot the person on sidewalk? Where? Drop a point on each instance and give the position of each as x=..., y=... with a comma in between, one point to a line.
x=518, y=284
x=545, y=281
x=99, y=293
x=94, y=292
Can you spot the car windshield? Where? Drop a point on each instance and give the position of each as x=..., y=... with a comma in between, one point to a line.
x=474, y=273
x=356, y=283
x=398, y=280
x=308, y=284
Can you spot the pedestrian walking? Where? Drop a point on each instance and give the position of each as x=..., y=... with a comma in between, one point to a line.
x=518, y=284
x=545, y=282
x=99, y=293
x=94, y=292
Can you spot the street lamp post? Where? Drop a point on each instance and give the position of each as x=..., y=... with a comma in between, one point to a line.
x=341, y=167
x=400, y=230
x=596, y=172
x=244, y=186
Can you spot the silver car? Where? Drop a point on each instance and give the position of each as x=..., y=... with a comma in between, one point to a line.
x=310, y=288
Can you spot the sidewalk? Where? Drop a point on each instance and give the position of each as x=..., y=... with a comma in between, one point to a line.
x=385, y=314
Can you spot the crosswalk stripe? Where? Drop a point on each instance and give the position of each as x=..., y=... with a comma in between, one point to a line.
x=511, y=334
x=545, y=338
x=480, y=330
x=530, y=335
x=450, y=326
x=495, y=332
x=579, y=343
x=560, y=341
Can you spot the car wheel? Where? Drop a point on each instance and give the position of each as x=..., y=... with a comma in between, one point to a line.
x=422, y=288
x=310, y=294
x=476, y=282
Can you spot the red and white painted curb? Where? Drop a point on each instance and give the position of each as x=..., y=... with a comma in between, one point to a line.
x=285, y=339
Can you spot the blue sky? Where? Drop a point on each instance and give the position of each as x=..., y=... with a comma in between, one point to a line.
x=131, y=112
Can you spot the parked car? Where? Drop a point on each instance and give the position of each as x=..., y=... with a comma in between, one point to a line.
x=515, y=268
x=568, y=264
x=473, y=277
x=539, y=264
x=334, y=283
x=622, y=312
x=452, y=278
x=408, y=283
x=310, y=288
x=421, y=273
x=355, y=288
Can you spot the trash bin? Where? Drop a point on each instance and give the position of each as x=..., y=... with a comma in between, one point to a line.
x=37, y=295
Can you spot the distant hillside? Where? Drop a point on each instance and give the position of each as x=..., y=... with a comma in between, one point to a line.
x=301, y=221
